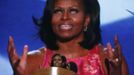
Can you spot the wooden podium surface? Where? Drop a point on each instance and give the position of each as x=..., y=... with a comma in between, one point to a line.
x=53, y=71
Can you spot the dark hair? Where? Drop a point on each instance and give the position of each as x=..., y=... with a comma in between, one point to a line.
x=73, y=67
x=92, y=35
x=63, y=60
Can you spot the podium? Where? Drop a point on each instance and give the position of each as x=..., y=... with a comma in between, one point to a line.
x=53, y=71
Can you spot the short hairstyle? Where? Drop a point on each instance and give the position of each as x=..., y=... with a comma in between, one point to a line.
x=91, y=37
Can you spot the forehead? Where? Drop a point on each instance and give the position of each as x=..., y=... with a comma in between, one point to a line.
x=57, y=56
x=68, y=3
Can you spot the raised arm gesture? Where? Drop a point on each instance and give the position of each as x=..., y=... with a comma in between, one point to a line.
x=113, y=59
x=18, y=63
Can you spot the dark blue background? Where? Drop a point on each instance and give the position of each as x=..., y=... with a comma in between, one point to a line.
x=16, y=20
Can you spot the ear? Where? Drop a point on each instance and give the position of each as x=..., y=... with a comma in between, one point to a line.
x=87, y=21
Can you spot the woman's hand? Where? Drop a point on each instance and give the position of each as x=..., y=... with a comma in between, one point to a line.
x=18, y=64
x=112, y=58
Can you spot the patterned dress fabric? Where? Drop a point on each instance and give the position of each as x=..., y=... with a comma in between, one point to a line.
x=87, y=65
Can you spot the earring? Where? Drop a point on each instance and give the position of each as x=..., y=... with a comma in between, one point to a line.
x=85, y=29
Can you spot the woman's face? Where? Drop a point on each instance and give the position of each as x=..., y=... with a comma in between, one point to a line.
x=69, y=18
x=57, y=61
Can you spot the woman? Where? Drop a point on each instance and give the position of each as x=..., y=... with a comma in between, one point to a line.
x=58, y=61
x=71, y=28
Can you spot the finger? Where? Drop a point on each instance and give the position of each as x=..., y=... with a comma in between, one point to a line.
x=117, y=44
x=114, y=62
x=116, y=40
x=11, y=46
x=12, y=50
x=103, y=55
x=118, y=51
x=103, y=52
x=101, y=49
x=24, y=57
x=109, y=50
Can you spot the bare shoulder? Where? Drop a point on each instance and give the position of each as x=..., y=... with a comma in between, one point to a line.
x=35, y=59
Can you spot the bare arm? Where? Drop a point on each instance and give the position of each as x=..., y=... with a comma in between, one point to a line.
x=18, y=64
x=116, y=63
x=26, y=63
x=124, y=67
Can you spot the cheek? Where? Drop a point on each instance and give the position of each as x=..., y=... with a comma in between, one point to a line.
x=79, y=19
x=55, y=23
x=79, y=23
x=55, y=19
x=54, y=62
x=60, y=61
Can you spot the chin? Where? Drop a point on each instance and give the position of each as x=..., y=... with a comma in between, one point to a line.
x=65, y=38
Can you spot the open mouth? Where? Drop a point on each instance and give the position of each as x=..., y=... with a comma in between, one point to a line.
x=65, y=27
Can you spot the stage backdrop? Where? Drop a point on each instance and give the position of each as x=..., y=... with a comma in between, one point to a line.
x=117, y=17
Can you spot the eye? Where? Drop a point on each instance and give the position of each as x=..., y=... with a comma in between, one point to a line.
x=57, y=11
x=74, y=11
x=59, y=59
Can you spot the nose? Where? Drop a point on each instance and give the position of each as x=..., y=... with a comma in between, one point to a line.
x=65, y=15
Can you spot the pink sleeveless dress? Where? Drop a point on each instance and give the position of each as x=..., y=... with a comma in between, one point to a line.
x=87, y=65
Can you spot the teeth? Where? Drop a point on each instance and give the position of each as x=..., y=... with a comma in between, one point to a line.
x=66, y=27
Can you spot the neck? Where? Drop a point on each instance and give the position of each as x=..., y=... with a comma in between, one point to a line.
x=71, y=47
x=70, y=44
